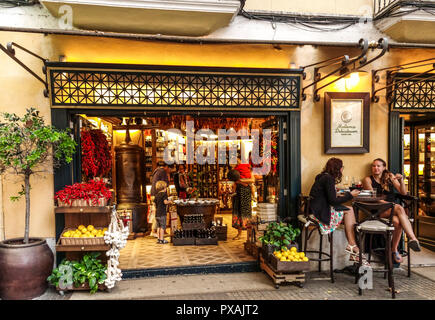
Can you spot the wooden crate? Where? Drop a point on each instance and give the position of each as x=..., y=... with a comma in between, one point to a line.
x=206, y=241
x=288, y=266
x=83, y=287
x=193, y=226
x=221, y=232
x=183, y=241
x=94, y=241
x=281, y=277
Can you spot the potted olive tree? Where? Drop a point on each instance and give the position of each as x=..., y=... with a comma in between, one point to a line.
x=28, y=146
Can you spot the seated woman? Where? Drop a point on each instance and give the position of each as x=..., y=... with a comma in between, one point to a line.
x=324, y=199
x=382, y=179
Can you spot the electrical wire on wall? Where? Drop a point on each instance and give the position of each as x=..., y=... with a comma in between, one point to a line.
x=334, y=23
x=17, y=3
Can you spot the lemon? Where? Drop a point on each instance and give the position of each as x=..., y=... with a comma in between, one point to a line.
x=279, y=255
x=301, y=254
x=104, y=229
x=94, y=232
x=90, y=227
x=76, y=235
x=282, y=259
x=293, y=249
x=80, y=227
x=66, y=234
x=305, y=259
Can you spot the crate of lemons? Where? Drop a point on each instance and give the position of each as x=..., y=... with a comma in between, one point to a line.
x=289, y=260
x=291, y=254
x=82, y=235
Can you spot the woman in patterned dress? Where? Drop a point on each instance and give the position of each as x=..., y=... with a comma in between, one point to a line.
x=326, y=206
x=242, y=205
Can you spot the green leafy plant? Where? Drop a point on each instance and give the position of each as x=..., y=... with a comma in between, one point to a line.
x=89, y=270
x=280, y=235
x=29, y=146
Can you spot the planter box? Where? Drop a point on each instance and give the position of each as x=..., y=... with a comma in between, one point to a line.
x=289, y=266
x=183, y=241
x=83, y=287
x=80, y=241
x=206, y=241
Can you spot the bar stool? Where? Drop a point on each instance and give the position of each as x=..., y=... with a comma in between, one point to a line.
x=306, y=220
x=410, y=204
x=375, y=225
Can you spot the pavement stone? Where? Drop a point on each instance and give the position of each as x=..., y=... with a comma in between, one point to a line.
x=258, y=286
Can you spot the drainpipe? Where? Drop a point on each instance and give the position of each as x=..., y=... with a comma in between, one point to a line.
x=2, y=216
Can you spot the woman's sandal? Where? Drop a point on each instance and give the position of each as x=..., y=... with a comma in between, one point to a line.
x=397, y=257
x=414, y=245
x=355, y=258
x=349, y=249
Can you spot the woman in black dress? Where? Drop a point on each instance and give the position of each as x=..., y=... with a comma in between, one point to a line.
x=385, y=182
x=327, y=207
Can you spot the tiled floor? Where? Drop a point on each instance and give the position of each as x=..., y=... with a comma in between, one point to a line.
x=144, y=253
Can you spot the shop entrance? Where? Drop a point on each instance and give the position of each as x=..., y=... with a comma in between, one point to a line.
x=159, y=133
x=419, y=171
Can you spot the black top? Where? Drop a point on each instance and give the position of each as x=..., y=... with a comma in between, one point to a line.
x=389, y=193
x=177, y=181
x=159, y=200
x=324, y=196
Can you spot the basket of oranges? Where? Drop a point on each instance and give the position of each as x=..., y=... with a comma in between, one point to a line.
x=289, y=260
x=83, y=236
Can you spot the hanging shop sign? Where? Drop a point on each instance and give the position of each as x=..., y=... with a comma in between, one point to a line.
x=78, y=85
x=347, y=122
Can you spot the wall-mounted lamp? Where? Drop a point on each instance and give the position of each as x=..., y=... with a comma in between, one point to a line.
x=343, y=70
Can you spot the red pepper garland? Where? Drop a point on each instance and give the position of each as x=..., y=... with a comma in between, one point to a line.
x=96, y=155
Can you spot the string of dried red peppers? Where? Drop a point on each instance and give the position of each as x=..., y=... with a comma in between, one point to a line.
x=96, y=155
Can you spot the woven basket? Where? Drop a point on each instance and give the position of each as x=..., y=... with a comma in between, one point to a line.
x=80, y=241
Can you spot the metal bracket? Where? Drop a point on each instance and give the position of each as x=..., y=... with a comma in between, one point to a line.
x=391, y=83
x=10, y=51
x=344, y=61
x=410, y=65
x=382, y=44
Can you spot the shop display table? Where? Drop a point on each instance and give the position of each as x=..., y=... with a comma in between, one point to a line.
x=204, y=206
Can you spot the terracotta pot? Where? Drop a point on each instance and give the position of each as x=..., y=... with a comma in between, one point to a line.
x=24, y=268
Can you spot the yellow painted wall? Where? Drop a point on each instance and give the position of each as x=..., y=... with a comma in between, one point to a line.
x=20, y=90
x=337, y=7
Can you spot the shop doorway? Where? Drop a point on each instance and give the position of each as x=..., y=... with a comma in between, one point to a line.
x=419, y=171
x=153, y=133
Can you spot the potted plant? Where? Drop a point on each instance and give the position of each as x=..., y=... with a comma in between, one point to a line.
x=277, y=236
x=28, y=146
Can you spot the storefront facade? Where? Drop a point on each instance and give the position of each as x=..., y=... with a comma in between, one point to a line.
x=302, y=123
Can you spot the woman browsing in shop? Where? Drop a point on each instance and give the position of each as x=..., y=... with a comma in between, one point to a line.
x=242, y=207
x=386, y=182
x=327, y=207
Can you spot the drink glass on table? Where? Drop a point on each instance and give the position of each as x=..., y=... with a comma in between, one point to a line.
x=374, y=192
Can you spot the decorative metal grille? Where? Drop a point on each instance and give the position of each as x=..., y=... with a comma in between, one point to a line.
x=82, y=88
x=413, y=95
